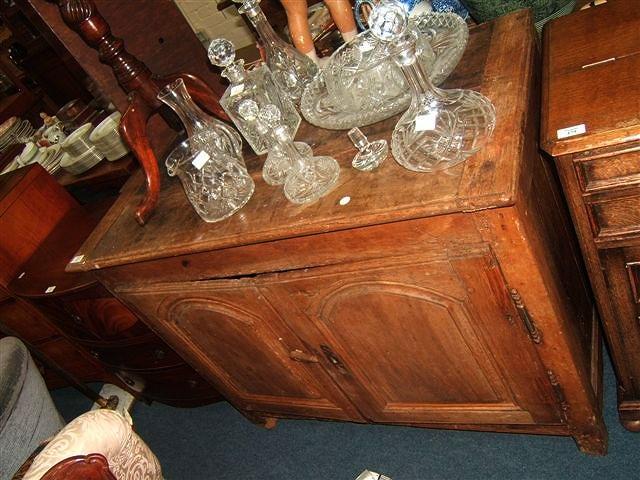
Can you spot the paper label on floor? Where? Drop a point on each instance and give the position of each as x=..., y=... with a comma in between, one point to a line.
x=571, y=131
x=369, y=475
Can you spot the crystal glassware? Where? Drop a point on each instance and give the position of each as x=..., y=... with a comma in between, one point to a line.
x=209, y=164
x=361, y=84
x=306, y=178
x=291, y=70
x=204, y=131
x=370, y=154
x=217, y=187
x=256, y=84
x=441, y=128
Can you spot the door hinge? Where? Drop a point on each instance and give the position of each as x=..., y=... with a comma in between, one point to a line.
x=534, y=333
x=559, y=394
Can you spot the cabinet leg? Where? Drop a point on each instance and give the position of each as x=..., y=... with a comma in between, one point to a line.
x=593, y=442
x=629, y=414
x=268, y=423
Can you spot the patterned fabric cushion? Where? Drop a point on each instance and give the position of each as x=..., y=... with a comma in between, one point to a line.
x=105, y=432
x=27, y=414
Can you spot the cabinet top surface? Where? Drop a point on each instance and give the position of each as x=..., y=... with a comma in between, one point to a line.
x=499, y=62
x=591, y=78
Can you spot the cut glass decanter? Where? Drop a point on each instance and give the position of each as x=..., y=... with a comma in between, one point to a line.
x=306, y=178
x=441, y=128
x=291, y=70
x=256, y=84
x=209, y=164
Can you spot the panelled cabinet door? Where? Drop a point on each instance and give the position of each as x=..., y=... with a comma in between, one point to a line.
x=422, y=342
x=234, y=336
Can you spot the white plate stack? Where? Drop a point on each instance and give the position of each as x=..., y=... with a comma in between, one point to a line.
x=106, y=137
x=13, y=131
x=80, y=152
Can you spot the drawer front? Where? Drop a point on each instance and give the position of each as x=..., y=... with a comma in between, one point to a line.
x=610, y=170
x=137, y=356
x=171, y=386
x=27, y=323
x=615, y=216
x=104, y=317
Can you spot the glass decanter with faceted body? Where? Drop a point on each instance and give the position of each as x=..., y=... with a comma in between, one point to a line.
x=209, y=164
x=441, y=128
x=291, y=70
x=256, y=84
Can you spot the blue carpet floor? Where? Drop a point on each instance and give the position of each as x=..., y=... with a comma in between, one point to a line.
x=216, y=442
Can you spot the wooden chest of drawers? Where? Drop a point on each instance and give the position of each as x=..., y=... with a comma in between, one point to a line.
x=452, y=300
x=591, y=92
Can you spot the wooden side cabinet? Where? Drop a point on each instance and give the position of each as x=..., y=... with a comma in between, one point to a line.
x=452, y=300
x=590, y=125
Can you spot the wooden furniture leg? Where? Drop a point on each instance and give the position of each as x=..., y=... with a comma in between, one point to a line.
x=133, y=128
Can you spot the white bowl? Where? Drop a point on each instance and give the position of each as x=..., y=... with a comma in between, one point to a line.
x=28, y=153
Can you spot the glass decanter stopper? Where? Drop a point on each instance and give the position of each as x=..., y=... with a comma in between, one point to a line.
x=370, y=155
x=441, y=128
x=278, y=164
x=291, y=70
x=204, y=131
x=256, y=84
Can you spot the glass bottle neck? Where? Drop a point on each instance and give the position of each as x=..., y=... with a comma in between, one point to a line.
x=287, y=146
x=265, y=31
x=416, y=76
x=235, y=72
x=175, y=95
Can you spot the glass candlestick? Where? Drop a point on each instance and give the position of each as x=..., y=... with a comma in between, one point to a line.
x=370, y=154
x=256, y=84
x=291, y=70
x=204, y=131
x=441, y=128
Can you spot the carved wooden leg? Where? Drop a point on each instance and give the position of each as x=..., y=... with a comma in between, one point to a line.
x=133, y=128
x=201, y=93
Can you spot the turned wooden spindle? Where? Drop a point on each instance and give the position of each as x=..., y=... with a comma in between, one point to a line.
x=138, y=81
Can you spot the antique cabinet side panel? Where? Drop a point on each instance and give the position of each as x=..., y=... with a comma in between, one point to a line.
x=518, y=236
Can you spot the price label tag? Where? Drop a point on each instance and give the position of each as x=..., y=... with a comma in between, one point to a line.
x=426, y=121
x=50, y=289
x=236, y=89
x=77, y=259
x=200, y=159
x=571, y=131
